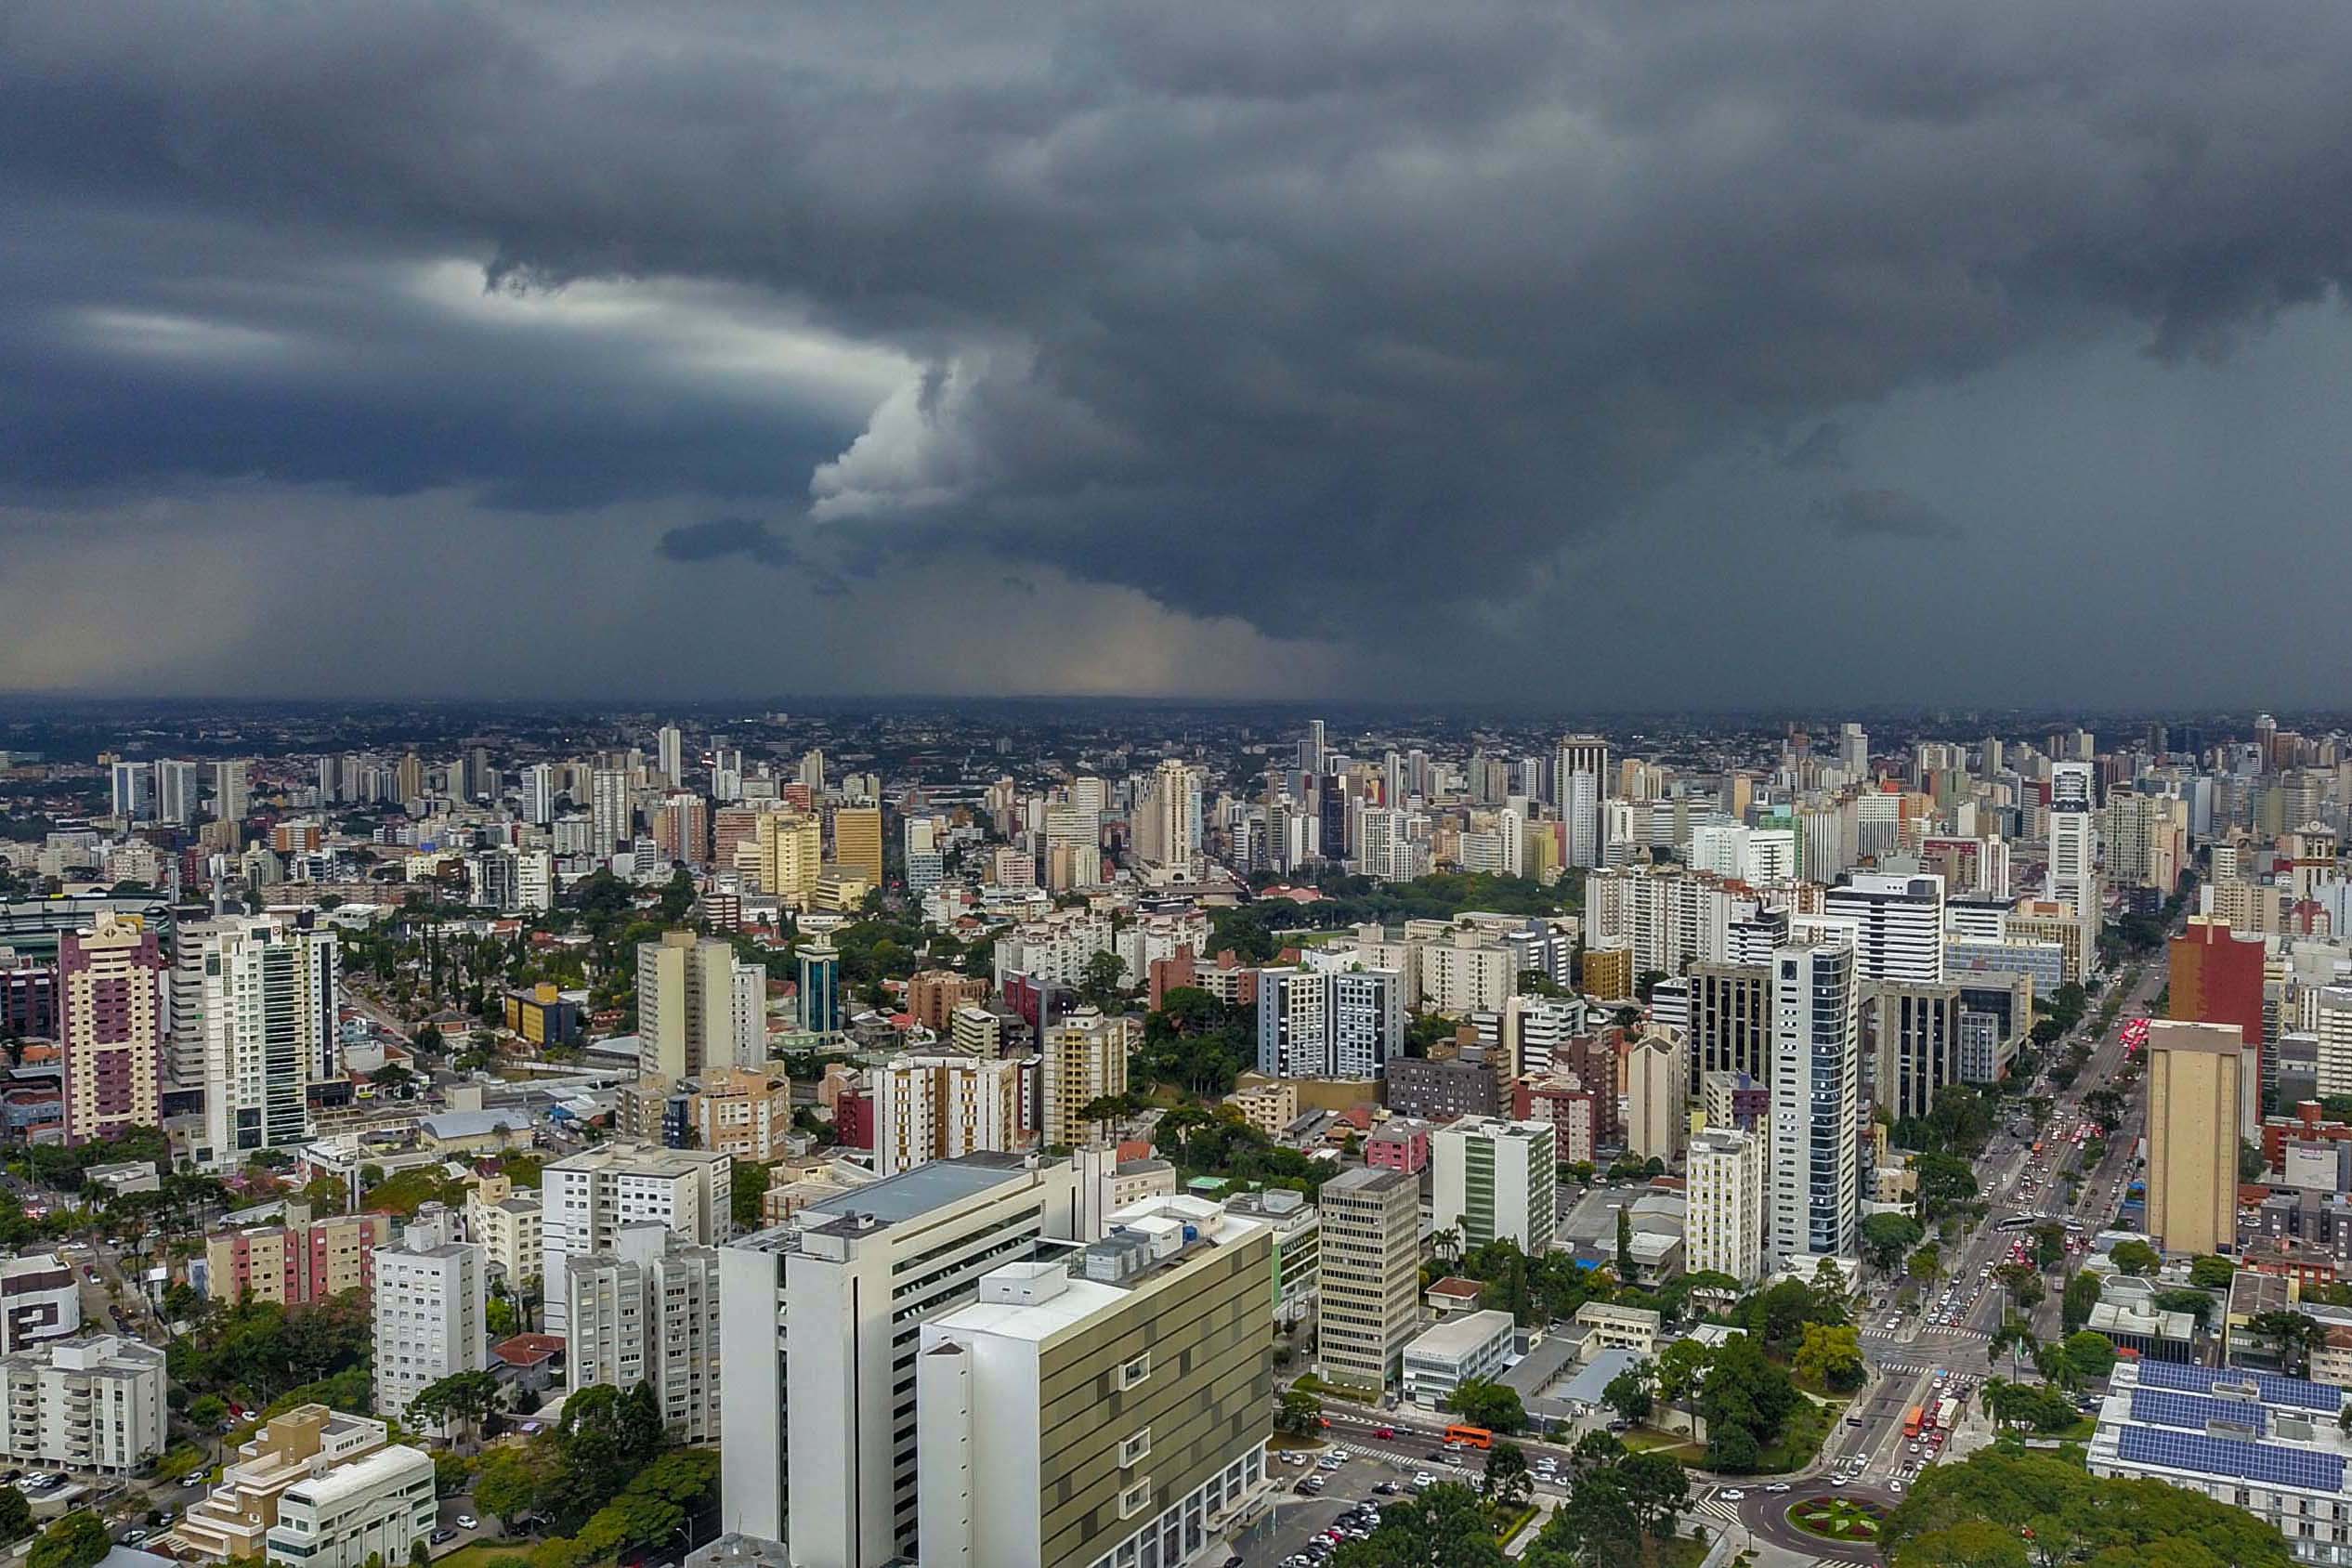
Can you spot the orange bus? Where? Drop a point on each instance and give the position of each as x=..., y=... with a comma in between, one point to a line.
x=1470, y=1437
x=1911, y=1421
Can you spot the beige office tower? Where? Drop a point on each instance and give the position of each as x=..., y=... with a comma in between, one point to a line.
x=685, y=1006
x=1723, y=1228
x=857, y=842
x=2196, y=1078
x=1106, y=1410
x=791, y=856
x=1085, y=1060
x=1369, y=1274
x=1658, y=1093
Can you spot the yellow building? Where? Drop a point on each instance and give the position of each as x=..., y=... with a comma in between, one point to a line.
x=1609, y=973
x=541, y=1016
x=791, y=853
x=1269, y=1106
x=1085, y=1060
x=857, y=842
x=2195, y=1076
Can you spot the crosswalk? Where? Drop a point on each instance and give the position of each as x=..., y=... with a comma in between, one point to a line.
x=1713, y=1506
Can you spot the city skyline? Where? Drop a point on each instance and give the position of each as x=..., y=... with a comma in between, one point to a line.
x=1601, y=355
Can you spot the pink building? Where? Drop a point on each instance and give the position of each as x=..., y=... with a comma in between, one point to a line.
x=1574, y=1112
x=110, y=1004
x=1399, y=1143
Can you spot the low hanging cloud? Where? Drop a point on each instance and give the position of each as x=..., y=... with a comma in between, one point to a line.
x=1331, y=318
x=1885, y=514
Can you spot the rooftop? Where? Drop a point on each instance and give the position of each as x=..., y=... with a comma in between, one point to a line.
x=895, y=1200
x=1456, y=1337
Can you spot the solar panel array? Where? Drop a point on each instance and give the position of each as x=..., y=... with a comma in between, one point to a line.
x=2275, y=1390
x=2221, y=1455
x=2165, y=1408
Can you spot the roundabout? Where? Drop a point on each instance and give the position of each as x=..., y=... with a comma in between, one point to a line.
x=1849, y=1520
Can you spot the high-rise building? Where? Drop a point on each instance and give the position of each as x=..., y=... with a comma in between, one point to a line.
x=1368, y=1274
x=857, y=842
x=1723, y=1228
x=432, y=1309
x=1898, y=924
x=587, y=1198
x=2196, y=1081
x=1581, y=768
x=539, y=794
x=85, y=1404
x=1816, y=1104
x=941, y=1106
x=409, y=779
x=2215, y=977
x=1329, y=1022
x=682, y=829
x=612, y=810
x=232, y=789
x=176, y=792
x=1496, y=1181
x=1853, y=750
x=820, y=1327
x=647, y=1312
x=1106, y=1411
x=1910, y=1036
x=1731, y=1029
x=822, y=1011
x=790, y=850
x=2074, y=879
x=1658, y=1094
x=111, y=1000
x=134, y=792
x=687, y=1015
x=1085, y=1055
x=670, y=752
x=269, y=1031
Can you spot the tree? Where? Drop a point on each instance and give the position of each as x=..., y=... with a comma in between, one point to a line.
x=1508, y=1480
x=1630, y=1392
x=2049, y=1246
x=1886, y=1238
x=1682, y=1368
x=1830, y=1358
x=1300, y=1415
x=1483, y=1403
x=463, y=1399
x=1100, y=981
x=1977, y=1514
x=2293, y=1333
x=1625, y=1245
x=78, y=1540
x=1658, y=1488
x=1444, y=1527
x=2022, y=1282
x=2134, y=1258
x=208, y=1410
x=2092, y=1355
x=1927, y=1263
x=507, y=1483
x=747, y=1194
x=2212, y=1273
x=2082, y=1295
x=1745, y=1400
x=16, y=1515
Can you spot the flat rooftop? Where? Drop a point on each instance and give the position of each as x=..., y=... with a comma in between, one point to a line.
x=895, y=1200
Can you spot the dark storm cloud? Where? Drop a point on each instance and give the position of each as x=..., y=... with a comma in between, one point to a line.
x=1885, y=514
x=728, y=536
x=1822, y=449
x=1268, y=311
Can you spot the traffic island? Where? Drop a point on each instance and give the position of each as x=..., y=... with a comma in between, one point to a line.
x=1840, y=1519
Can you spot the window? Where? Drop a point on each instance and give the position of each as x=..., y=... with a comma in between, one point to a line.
x=1136, y=1498
x=1135, y=1448
x=1133, y=1373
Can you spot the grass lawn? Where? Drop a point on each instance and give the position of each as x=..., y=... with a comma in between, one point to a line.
x=1838, y=1518
x=1809, y=1424
x=1310, y=1383
x=1647, y=1440
x=1683, y=1551
x=1507, y=1528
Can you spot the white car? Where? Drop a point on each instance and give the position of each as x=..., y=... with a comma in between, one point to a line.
x=1777, y=1486
x=1423, y=1478
x=1894, y=1485
x=1732, y=1494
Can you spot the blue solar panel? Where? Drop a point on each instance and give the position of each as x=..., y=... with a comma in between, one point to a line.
x=2294, y=1391
x=2222, y=1455
x=2165, y=1408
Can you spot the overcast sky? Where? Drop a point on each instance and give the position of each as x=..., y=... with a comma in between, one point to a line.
x=1596, y=353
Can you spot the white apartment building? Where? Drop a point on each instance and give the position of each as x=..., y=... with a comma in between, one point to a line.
x=84, y=1405
x=432, y=1304
x=1468, y=971
x=233, y=1519
x=1898, y=925
x=1667, y=915
x=647, y=1312
x=585, y=1199
x=1816, y=1081
x=1105, y=1410
x=939, y=1106
x=820, y=1323
x=506, y=1222
x=376, y=1508
x=270, y=1030
x=1496, y=1181
x=1723, y=1223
